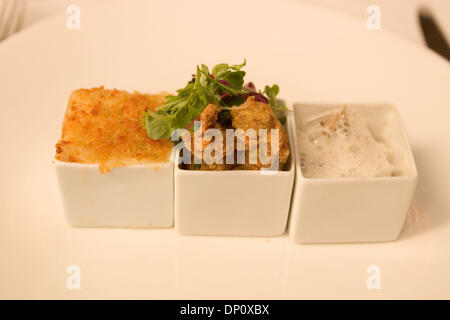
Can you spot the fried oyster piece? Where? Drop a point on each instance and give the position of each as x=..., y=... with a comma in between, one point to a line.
x=259, y=115
x=209, y=119
x=250, y=115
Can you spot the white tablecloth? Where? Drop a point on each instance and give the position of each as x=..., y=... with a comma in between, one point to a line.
x=398, y=16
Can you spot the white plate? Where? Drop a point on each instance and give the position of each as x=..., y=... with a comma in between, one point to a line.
x=314, y=55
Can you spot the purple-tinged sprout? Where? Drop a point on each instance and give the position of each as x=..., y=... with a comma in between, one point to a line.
x=251, y=91
x=250, y=86
x=258, y=96
x=225, y=83
x=222, y=81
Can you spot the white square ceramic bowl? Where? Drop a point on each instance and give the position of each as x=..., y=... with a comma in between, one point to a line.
x=352, y=210
x=136, y=196
x=233, y=203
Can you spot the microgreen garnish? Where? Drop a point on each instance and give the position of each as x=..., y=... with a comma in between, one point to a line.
x=271, y=93
x=223, y=86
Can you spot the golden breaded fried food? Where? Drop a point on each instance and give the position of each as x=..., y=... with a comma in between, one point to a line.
x=208, y=118
x=258, y=115
x=251, y=114
x=104, y=127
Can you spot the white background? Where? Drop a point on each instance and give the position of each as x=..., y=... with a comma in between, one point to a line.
x=398, y=16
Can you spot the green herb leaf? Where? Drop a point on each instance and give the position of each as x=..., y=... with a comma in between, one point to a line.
x=157, y=128
x=235, y=79
x=220, y=69
x=238, y=67
x=223, y=88
x=271, y=92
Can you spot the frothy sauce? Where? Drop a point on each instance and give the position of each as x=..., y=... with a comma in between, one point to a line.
x=342, y=145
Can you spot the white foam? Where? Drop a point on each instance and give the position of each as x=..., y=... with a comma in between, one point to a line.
x=343, y=145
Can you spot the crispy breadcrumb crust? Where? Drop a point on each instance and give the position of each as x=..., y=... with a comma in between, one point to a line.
x=104, y=127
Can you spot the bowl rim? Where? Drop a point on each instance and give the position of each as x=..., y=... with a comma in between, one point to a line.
x=59, y=163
